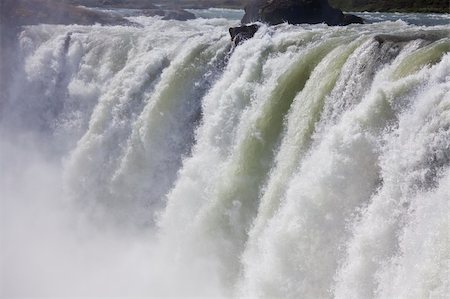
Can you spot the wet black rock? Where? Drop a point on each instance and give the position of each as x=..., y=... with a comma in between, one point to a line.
x=352, y=19
x=242, y=33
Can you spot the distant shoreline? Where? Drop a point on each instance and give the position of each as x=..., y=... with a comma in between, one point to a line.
x=424, y=10
x=344, y=10
x=391, y=6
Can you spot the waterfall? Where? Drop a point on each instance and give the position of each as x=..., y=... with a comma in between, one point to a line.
x=307, y=162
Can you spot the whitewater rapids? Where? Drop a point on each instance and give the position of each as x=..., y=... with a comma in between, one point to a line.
x=308, y=162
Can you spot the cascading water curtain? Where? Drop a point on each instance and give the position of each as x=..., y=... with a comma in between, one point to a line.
x=307, y=162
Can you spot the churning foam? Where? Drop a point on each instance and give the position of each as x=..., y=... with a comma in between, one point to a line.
x=308, y=162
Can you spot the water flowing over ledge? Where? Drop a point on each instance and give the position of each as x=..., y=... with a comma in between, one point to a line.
x=309, y=162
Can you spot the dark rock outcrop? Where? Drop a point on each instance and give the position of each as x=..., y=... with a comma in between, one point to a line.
x=241, y=33
x=170, y=14
x=352, y=19
x=178, y=14
x=295, y=12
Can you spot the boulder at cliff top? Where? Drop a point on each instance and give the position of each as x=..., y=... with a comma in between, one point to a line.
x=241, y=33
x=275, y=12
x=352, y=19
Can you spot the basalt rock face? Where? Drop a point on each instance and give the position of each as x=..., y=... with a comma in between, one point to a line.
x=294, y=12
x=352, y=19
x=242, y=33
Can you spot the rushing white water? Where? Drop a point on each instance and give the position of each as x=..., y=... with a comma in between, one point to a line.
x=308, y=162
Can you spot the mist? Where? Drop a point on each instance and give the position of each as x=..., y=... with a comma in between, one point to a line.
x=50, y=247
